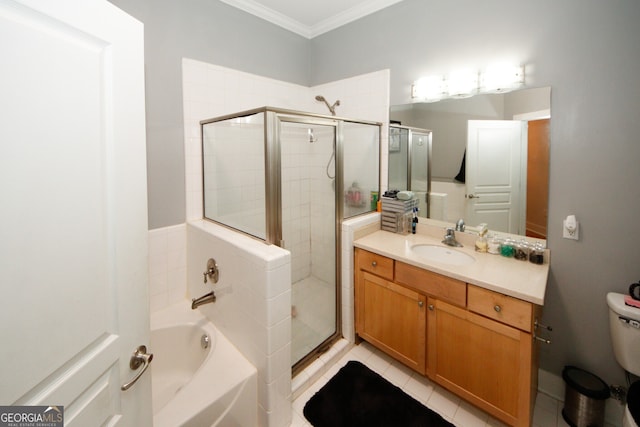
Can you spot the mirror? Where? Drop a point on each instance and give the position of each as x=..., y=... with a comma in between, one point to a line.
x=463, y=189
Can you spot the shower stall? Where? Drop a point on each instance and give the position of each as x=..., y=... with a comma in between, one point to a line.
x=289, y=178
x=410, y=163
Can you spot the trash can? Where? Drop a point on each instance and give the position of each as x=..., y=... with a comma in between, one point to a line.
x=584, y=398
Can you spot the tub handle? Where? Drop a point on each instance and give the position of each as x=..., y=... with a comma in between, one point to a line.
x=139, y=357
x=212, y=271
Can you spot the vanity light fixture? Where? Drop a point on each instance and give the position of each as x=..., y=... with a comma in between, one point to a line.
x=462, y=84
x=429, y=89
x=501, y=78
x=466, y=83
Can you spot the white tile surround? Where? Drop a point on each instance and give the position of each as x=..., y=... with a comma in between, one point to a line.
x=253, y=307
x=167, y=266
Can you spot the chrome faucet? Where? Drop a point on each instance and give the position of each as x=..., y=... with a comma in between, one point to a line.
x=450, y=238
x=460, y=225
x=204, y=299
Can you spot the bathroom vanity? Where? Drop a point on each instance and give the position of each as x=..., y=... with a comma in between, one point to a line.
x=468, y=323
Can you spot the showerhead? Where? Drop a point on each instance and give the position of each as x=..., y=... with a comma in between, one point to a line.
x=331, y=108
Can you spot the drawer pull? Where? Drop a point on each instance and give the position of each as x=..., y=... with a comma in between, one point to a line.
x=373, y=263
x=420, y=304
x=431, y=307
x=497, y=308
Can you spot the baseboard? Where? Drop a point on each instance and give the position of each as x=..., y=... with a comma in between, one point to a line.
x=553, y=385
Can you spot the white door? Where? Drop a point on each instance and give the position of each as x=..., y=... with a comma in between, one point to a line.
x=496, y=174
x=73, y=216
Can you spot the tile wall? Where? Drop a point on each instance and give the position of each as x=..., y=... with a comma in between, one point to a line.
x=167, y=266
x=252, y=309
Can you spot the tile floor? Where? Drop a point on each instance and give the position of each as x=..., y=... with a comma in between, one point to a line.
x=547, y=412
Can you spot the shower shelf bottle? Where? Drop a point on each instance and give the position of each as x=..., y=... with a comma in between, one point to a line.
x=354, y=195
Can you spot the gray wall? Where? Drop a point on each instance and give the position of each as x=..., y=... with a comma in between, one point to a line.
x=209, y=31
x=587, y=51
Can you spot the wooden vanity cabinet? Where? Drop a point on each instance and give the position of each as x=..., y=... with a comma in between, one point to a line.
x=389, y=316
x=393, y=318
x=488, y=363
x=475, y=342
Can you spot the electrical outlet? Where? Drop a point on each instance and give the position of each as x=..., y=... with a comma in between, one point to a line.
x=570, y=232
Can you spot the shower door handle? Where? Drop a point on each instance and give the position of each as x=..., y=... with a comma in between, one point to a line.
x=140, y=357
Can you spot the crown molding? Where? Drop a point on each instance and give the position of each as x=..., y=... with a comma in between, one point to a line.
x=309, y=32
x=350, y=15
x=270, y=15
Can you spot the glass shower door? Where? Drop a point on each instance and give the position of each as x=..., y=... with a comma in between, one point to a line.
x=420, y=177
x=307, y=152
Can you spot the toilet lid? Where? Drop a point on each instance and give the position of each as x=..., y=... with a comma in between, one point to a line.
x=633, y=401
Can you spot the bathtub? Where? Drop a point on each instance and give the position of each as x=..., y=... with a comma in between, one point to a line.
x=198, y=381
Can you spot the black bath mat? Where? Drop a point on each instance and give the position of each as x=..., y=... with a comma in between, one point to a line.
x=358, y=397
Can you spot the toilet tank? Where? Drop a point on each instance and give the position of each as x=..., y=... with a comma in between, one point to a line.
x=624, y=324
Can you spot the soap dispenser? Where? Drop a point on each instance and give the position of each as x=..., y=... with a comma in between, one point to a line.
x=481, y=243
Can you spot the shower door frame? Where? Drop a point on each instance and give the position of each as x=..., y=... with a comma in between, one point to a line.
x=273, y=117
x=273, y=129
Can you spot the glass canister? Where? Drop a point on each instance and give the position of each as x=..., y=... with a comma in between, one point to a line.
x=521, y=250
x=536, y=255
x=493, y=245
x=507, y=248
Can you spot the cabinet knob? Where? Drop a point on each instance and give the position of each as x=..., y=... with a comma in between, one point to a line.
x=373, y=263
x=420, y=303
x=431, y=307
x=497, y=308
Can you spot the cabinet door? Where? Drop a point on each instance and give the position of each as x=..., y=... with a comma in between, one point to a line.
x=485, y=362
x=393, y=318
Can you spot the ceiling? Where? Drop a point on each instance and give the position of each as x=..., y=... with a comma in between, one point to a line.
x=310, y=18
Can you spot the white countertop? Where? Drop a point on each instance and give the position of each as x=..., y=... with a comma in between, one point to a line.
x=519, y=279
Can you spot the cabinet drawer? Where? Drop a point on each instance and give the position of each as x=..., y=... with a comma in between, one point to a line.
x=374, y=263
x=502, y=308
x=433, y=284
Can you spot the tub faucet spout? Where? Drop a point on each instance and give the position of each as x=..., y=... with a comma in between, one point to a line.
x=204, y=299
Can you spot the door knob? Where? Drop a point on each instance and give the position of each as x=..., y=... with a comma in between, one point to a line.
x=471, y=196
x=140, y=357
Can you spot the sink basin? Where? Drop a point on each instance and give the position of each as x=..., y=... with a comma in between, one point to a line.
x=443, y=254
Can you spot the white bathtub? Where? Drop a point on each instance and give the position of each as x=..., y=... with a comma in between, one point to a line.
x=192, y=386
